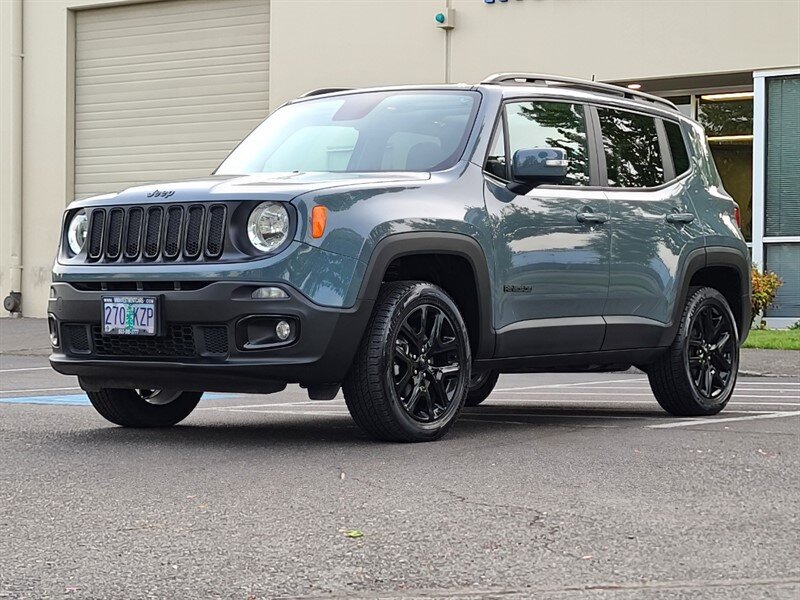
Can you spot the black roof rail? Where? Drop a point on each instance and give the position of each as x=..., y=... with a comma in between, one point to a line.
x=579, y=84
x=327, y=90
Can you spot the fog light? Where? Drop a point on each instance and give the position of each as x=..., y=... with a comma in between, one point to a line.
x=269, y=293
x=283, y=330
x=52, y=325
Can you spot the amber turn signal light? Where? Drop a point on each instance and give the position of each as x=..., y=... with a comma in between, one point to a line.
x=319, y=215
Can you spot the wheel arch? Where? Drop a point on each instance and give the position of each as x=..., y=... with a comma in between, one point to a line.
x=726, y=270
x=421, y=255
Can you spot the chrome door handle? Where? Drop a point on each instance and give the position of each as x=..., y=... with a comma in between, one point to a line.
x=591, y=217
x=680, y=217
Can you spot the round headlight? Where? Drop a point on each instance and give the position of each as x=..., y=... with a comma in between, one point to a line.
x=76, y=232
x=268, y=226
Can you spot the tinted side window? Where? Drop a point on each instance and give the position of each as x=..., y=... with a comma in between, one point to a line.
x=677, y=146
x=630, y=143
x=551, y=125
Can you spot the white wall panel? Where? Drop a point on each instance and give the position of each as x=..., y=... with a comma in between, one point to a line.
x=165, y=90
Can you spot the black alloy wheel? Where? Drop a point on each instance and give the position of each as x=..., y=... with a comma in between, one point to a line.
x=411, y=373
x=426, y=368
x=696, y=375
x=710, y=352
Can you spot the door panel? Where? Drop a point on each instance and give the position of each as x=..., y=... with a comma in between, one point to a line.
x=646, y=256
x=653, y=228
x=552, y=244
x=550, y=267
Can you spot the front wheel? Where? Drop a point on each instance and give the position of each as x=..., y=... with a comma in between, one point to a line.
x=697, y=374
x=144, y=408
x=410, y=375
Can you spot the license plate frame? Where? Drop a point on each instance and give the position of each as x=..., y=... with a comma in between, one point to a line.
x=141, y=316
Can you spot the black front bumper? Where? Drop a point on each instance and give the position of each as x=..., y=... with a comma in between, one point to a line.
x=202, y=347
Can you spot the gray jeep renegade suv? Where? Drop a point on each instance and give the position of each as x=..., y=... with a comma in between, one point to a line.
x=407, y=244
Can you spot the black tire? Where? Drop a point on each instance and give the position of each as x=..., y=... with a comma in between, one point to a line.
x=481, y=385
x=129, y=409
x=400, y=389
x=697, y=374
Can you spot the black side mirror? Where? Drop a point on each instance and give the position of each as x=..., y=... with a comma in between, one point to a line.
x=539, y=165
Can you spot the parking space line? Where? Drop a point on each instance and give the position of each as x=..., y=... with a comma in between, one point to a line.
x=292, y=412
x=297, y=403
x=712, y=421
x=738, y=388
x=631, y=402
x=55, y=389
x=25, y=369
x=647, y=394
x=579, y=383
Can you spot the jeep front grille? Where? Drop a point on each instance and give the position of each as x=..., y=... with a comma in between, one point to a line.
x=173, y=233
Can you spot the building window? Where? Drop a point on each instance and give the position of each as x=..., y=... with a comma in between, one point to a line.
x=728, y=121
x=784, y=259
x=782, y=198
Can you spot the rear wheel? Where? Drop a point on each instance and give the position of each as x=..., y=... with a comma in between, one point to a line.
x=144, y=408
x=410, y=375
x=480, y=386
x=696, y=376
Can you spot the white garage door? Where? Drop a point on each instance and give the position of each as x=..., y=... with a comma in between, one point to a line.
x=165, y=90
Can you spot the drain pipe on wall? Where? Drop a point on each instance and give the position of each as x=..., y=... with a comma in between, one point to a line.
x=13, y=302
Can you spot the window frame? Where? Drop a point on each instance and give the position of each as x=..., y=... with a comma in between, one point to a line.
x=501, y=121
x=598, y=169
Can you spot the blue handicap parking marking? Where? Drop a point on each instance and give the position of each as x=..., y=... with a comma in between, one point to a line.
x=79, y=399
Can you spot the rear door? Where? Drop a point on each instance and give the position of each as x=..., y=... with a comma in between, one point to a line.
x=552, y=263
x=652, y=226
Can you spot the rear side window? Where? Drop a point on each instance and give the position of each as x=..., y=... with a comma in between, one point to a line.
x=630, y=144
x=677, y=146
x=551, y=125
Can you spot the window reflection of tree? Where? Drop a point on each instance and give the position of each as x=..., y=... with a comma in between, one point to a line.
x=630, y=142
x=568, y=121
x=727, y=118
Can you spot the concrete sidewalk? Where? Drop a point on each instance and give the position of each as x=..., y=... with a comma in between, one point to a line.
x=28, y=337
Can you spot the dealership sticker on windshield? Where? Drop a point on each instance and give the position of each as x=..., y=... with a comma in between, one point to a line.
x=130, y=315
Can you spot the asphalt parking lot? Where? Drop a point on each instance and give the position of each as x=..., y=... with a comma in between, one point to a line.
x=559, y=486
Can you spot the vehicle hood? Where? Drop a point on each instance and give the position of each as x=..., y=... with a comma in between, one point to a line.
x=267, y=186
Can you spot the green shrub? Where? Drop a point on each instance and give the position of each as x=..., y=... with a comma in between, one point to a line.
x=765, y=288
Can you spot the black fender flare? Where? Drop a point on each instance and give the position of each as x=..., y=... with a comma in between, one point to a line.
x=711, y=256
x=405, y=244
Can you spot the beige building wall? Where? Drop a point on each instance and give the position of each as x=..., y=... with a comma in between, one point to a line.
x=317, y=43
x=10, y=139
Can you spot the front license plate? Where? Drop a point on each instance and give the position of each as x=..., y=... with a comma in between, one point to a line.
x=130, y=315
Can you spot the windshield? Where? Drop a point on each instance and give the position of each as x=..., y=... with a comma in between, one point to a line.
x=372, y=131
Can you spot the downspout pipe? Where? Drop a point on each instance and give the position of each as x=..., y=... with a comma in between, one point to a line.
x=13, y=302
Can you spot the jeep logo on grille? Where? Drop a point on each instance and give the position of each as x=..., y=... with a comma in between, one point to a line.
x=160, y=194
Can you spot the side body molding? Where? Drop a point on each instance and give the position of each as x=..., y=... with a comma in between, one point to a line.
x=406, y=244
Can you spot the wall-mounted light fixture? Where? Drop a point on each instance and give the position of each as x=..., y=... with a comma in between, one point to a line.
x=727, y=97
x=445, y=19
